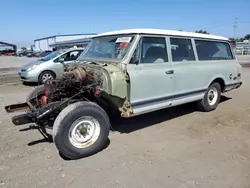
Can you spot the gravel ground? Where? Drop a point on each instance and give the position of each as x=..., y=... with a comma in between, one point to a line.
x=9, y=67
x=177, y=147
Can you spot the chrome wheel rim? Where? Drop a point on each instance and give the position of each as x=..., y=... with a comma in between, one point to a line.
x=84, y=132
x=212, y=96
x=47, y=76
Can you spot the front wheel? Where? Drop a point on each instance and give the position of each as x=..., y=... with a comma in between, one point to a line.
x=46, y=75
x=36, y=93
x=211, y=98
x=81, y=129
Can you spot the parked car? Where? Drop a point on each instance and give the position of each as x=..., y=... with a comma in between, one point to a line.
x=47, y=67
x=38, y=54
x=21, y=53
x=131, y=72
x=45, y=53
x=30, y=54
x=7, y=52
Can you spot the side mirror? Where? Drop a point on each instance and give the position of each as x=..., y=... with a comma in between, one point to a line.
x=60, y=60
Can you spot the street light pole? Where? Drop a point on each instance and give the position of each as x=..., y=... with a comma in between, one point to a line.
x=235, y=26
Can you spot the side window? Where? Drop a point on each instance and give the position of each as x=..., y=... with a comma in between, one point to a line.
x=212, y=50
x=182, y=49
x=153, y=50
x=71, y=56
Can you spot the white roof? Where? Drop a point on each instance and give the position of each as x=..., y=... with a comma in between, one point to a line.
x=163, y=32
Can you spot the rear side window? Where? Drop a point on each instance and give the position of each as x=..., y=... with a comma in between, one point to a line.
x=181, y=49
x=212, y=50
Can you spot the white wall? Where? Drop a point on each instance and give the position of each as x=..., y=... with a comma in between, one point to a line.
x=43, y=44
x=37, y=45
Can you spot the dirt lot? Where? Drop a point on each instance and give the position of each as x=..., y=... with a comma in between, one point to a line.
x=9, y=67
x=177, y=147
x=11, y=61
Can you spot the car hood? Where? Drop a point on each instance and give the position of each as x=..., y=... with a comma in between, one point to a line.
x=28, y=65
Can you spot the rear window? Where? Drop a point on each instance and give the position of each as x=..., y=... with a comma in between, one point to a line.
x=212, y=50
x=181, y=49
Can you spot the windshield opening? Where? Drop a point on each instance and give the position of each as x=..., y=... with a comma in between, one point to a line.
x=53, y=55
x=109, y=48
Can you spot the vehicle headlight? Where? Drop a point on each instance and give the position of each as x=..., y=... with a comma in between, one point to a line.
x=31, y=68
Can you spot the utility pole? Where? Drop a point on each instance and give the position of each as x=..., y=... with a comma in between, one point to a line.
x=235, y=25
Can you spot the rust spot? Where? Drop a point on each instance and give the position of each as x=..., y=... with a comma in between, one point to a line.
x=127, y=105
x=44, y=100
x=131, y=112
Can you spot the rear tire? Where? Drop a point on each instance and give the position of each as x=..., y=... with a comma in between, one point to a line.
x=211, y=98
x=81, y=129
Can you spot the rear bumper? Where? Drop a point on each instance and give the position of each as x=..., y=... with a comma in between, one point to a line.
x=23, y=118
x=35, y=115
x=232, y=86
x=17, y=107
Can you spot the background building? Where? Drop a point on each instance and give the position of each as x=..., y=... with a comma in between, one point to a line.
x=47, y=43
x=245, y=43
x=4, y=45
x=7, y=48
x=71, y=43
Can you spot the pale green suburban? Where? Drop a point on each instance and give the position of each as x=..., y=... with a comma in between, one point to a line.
x=131, y=72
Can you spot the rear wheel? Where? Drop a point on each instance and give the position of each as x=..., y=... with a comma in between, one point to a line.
x=81, y=130
x=211, y=98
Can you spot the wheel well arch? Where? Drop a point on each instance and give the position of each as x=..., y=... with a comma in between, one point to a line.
x=221, y=82
x=104, y=102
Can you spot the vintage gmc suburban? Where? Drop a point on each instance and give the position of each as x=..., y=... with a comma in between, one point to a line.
x=130, y=72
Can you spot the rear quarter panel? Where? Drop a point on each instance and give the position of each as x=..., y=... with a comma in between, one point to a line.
x=195, y=77
x=225, y=69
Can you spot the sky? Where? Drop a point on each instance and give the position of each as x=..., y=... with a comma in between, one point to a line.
x=24, y=21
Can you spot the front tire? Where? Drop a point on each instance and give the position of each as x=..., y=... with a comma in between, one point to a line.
x=46, y=75
x=81, y=129
x=37, y=92
x=211, y=98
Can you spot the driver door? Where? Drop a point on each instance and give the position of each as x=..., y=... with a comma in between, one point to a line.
x=69, y=58
x=151, y=77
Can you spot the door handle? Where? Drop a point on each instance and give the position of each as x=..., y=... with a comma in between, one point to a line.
x=170, y=72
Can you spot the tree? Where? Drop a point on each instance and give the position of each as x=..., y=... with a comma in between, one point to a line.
x=201, y=31
x=247, y=37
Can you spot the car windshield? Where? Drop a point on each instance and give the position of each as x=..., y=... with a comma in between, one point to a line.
x=52, y=55
x=108, y=48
